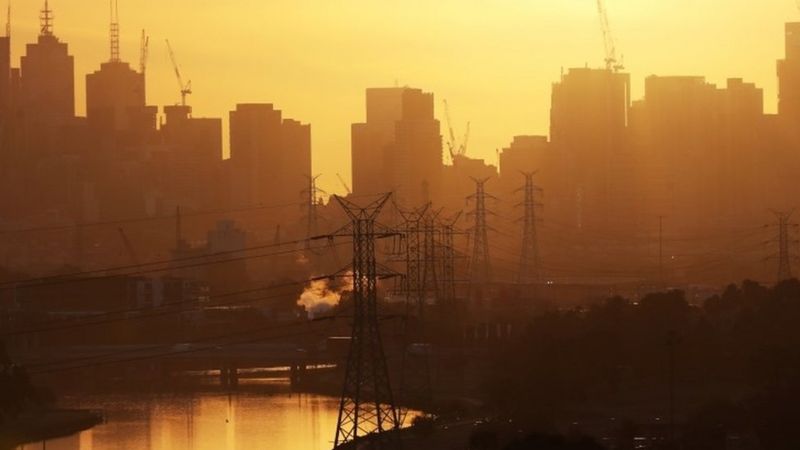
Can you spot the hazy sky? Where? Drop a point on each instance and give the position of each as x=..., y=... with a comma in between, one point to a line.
x=494, y=60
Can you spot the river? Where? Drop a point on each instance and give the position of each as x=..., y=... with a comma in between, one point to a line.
x=209, y=421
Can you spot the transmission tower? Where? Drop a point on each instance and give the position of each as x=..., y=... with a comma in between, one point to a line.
x=310, y=204
x=529, y=259
x=480, y=266
x=431, y=254
x=784, y=240
x=366, y=405
x=412, y=252
x=447, y=260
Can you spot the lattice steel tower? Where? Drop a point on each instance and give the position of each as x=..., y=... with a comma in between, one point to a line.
x=448, y=261
x=310, y=204
x=414, y=240
x=366, y=405
x=528, y=272
x=480, y=266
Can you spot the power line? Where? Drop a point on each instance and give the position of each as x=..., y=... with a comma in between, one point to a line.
x=74, y=276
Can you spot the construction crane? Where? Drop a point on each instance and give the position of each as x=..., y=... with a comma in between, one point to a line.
x=612, y=63
x=455, y=149
x=129, y=247
x=344, y=183
x=144, y=52
x=186, y=88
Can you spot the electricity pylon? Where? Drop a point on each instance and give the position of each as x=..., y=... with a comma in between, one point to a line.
x=784, y=240
x=310, y=204
x=367, y=404
x=528, y=272
x=480, y=266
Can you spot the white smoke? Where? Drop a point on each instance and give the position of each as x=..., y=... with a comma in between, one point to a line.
x=320, y=297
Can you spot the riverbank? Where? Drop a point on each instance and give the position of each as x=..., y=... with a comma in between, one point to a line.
x=45, y=425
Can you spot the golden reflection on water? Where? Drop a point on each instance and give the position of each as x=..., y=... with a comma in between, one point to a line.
x=206, y=422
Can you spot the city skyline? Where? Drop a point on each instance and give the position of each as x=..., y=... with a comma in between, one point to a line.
x=525, y=96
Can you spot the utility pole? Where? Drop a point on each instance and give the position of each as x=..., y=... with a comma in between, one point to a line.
x=528, y=272
x=366, y=405
x=480, y=265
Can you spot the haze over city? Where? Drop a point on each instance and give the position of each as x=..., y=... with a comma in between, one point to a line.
x=307, y=225
x=314, y=58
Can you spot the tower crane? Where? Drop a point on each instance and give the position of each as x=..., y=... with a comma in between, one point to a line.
x=144, y=52
x=455, y=149
x=344, y=183
x=612, y=63
x=186, y=88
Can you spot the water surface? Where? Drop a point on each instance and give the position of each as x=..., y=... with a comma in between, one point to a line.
x=212, y=421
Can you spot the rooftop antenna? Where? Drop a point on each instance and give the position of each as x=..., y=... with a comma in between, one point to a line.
x=46, y=19
x=8, y=20
x=114, y=30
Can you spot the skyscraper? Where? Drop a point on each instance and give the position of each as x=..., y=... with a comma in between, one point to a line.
x=399, y=147
x=588, y=120
x=48, y=77
x=270, y=155
x=789, y=76
x=47, y=100
x=115, y=94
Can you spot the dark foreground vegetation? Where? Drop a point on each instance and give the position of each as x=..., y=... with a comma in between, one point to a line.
x=660, y=371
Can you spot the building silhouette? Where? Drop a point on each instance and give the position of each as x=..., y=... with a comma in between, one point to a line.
x=270, y=156
x=47, y=99
x=399, y=147
x=588, y=120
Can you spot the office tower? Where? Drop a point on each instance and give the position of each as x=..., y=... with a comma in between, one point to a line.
x=399, y=147
x=189, y=162
x=789, y=77
x=270, y=156
x=588, y=120
x=48, y=79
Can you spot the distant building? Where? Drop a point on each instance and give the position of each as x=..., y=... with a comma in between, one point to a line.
x=696, y=138
x=588, y=120
x=189, y=162
x=47, y=87
x=789, y=76
x=399, y=147
x=270, y=156
x=524, y=154
x=115, y=98
x=459, y=183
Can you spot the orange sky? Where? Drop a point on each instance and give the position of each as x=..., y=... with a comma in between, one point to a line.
x=493, y=60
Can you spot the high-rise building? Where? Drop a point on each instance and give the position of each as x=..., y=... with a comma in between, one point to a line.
x=588, y=120
x=116, y=97
x=399, y=147
x=789, y=76
x=270, y=156
x=526, y=154
x=694, y=138
x=48, y=78
x=190, y=159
